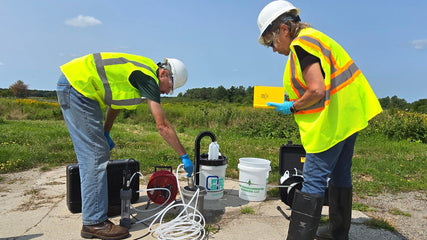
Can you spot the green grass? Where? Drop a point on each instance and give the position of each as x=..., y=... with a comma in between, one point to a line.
x=212, y=229
x=381, y=163
x=377, y=223
x=25, y=144
x=247, y=210
x=396, y=211
x=361, y=207
x=324, y=220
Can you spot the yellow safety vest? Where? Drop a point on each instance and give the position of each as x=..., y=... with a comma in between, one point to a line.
x=349, y=102
x=104, y=77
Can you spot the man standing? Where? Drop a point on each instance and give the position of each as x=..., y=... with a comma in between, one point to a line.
x=118, y=81
x=331, y=101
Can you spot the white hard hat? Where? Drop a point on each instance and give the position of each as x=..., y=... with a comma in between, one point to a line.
x=178, y=71
x=270, y=13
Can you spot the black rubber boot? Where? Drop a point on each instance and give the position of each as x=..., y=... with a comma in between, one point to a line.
x=305, y=216
x=340, y=206
x=324, y=233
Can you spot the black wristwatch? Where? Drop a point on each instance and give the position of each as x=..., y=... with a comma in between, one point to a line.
x=293, y=110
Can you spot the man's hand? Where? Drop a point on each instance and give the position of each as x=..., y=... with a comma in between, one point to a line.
x=109, y=140
x=188, y=165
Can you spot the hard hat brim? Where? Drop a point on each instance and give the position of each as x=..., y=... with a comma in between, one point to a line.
x=271, y=19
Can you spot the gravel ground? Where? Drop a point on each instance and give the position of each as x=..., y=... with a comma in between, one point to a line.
x=406, y=212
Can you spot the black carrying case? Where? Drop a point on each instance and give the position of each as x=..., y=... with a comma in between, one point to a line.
x=115, y=173
x=291, y=159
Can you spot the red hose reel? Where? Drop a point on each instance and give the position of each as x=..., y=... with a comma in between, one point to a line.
x=162, y=179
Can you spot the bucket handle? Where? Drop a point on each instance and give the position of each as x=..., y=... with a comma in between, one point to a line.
x=168, y=167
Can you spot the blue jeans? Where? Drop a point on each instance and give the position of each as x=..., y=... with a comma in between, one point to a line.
x=334, y=163
x=83, y=117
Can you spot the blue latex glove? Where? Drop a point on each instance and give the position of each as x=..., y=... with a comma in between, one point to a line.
x=109, y=140
x=188, y=165
x=284, y=107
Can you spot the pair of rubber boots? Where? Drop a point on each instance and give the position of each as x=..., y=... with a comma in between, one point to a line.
x=307, y=210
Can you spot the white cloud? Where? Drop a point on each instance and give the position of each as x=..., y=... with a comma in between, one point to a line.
x=1, y=63
x=419, y=44
x=83, y=21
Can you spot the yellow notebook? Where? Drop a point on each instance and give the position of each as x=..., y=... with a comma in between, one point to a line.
x=263, y=95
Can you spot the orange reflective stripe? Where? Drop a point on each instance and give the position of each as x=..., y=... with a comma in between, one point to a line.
x=318, y=45
x=340, y=70
x=297, y=79
x=334, y=64
x=310, y=111
x=297, y=86
x=340, y=76
x=344, y=84
x=314, y=110
x=345, y=77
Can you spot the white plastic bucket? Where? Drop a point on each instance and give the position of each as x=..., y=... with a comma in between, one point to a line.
x=253, y=181
x=212, y=178
x=254, y=162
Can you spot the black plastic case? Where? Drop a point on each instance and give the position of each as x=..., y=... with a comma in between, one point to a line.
x=291, y=156
x=115, y=173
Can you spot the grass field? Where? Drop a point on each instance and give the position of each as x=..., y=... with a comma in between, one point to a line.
x=32, y=134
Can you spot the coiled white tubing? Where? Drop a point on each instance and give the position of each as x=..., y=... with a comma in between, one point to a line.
x=189, y=224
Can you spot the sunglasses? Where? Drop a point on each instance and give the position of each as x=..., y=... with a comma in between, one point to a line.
x=270, y=42
x=172, y=82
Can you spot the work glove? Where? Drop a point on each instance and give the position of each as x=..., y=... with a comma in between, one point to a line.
x=188, y=165
x=284, y=107
x=109, y=140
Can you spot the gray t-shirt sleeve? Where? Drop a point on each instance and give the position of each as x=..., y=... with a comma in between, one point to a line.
x=146, y=85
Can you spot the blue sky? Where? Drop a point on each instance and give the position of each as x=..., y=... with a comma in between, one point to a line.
x=216, y=39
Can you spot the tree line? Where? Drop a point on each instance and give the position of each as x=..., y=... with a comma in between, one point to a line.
x=234, y=94
x=220, y=94
x=20, y=90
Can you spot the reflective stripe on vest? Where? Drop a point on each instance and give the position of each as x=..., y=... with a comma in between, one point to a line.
x=340, y=77
x=100, y=64
x=349, y=102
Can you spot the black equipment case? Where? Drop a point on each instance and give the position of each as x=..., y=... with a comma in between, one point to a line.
x=116, y=170
x=291, y=159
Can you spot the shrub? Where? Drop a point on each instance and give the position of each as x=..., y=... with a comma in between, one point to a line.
x=400, y=125
x=243, y=120
x=39, y=110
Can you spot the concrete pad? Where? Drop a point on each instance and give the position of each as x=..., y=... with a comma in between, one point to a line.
x=33, y=206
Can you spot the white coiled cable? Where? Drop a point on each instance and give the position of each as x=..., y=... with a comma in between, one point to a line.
x=149, y=190
x=189, y=224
